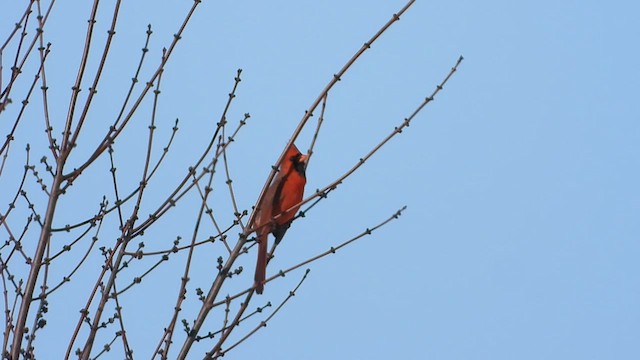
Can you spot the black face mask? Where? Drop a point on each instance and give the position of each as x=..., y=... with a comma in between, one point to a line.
x=299, y=166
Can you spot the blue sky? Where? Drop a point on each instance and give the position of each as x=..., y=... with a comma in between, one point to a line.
x=521, y=236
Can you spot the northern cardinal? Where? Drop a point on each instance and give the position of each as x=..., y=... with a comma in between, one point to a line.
x=285, y=191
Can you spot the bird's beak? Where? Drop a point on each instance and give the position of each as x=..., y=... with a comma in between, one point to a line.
x=303, y=160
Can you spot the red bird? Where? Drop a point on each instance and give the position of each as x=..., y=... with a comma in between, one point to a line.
x=285, y=191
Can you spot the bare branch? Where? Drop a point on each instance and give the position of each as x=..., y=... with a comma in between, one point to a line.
x=218, y=352
x=66, y=135
x=115, y=131
x=48, y=242
x=309, y=112
x=217, y=284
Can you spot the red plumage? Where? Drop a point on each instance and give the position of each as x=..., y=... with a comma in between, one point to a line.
x=275, y=211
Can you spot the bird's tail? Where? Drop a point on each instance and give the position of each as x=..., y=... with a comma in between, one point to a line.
x=261, y=265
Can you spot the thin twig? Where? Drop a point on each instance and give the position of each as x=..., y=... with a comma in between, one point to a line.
x=16, y=69
x=114, y=132
x=24, y=103
x=45, y=102
x=318, y=127
x=229, y=182
x=170, y=330
x=133, y=193
x=67, y=145
x=397, y=130
x=122, y=332
x=68, y=247
x=217, y=284
x=126, y=234
x=175, y=248
x=292, y=293
x=309, y=112
x=93, y=89
x=331, y=250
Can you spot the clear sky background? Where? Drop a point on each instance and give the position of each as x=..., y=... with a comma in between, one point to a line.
x=521, y=237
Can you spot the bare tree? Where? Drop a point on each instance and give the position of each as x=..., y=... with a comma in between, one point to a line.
x=64, y=248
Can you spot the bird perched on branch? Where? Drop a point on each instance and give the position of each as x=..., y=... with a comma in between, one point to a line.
x=279, y=206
